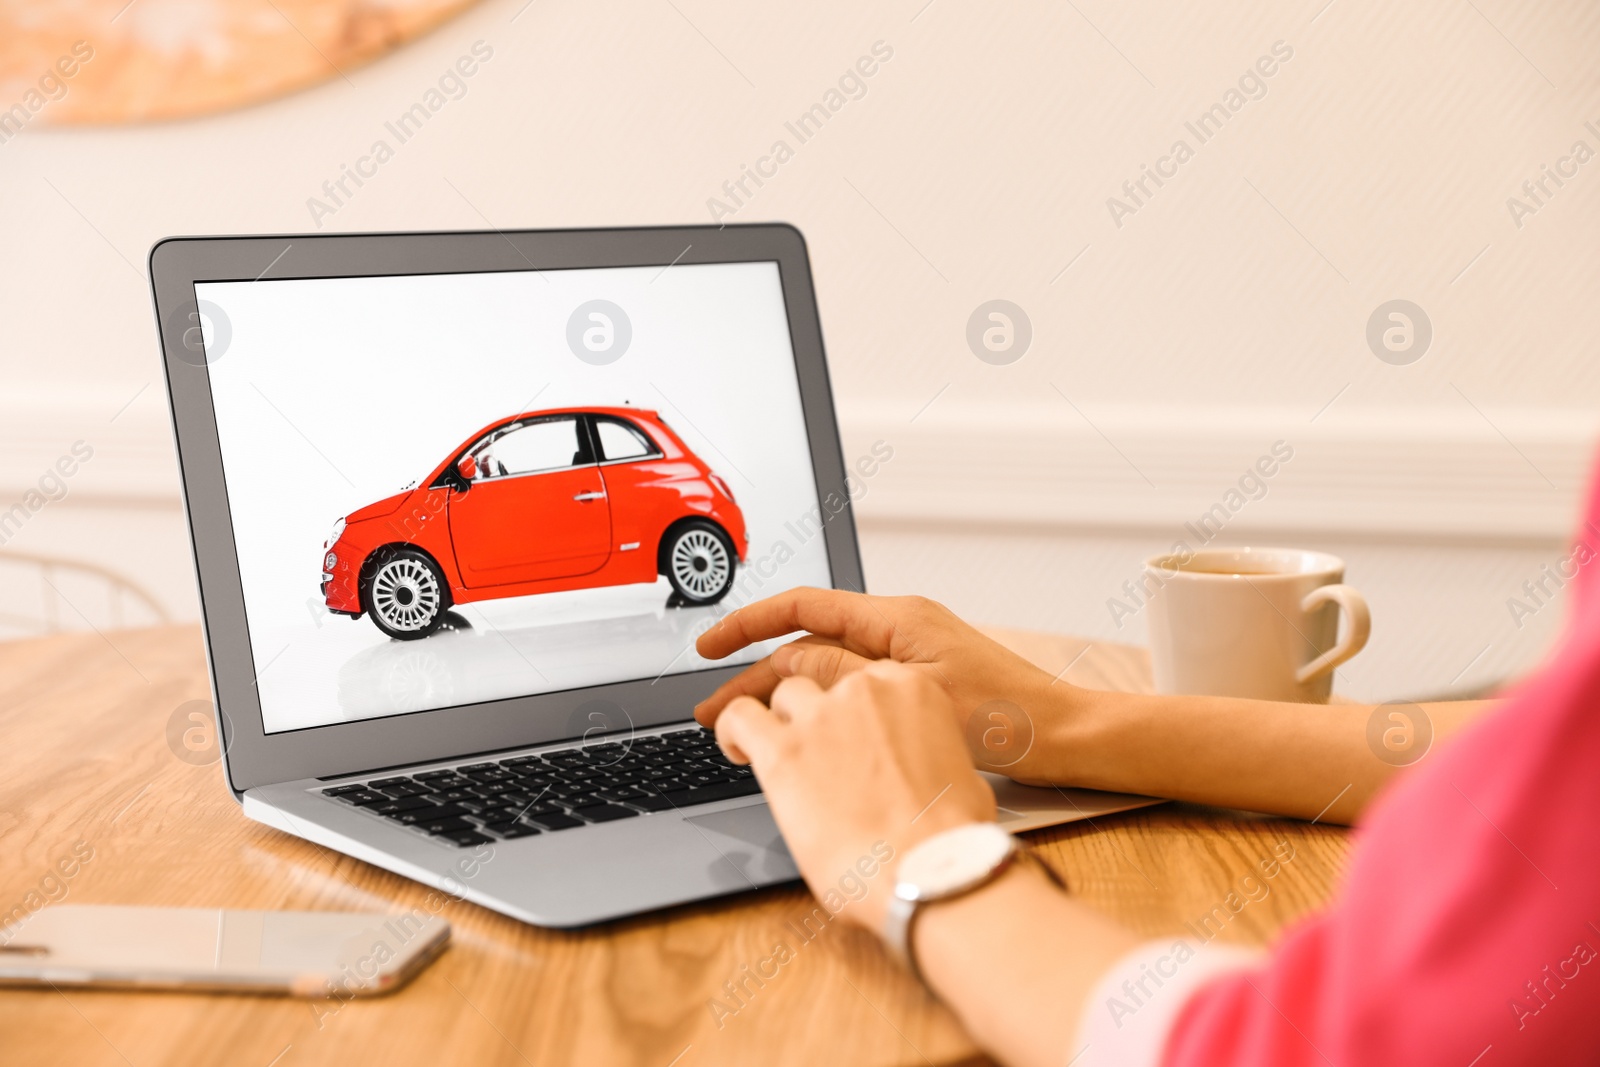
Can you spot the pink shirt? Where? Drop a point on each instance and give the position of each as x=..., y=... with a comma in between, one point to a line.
x=1467, y=931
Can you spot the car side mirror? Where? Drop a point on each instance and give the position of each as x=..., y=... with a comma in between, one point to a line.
x=467, y=468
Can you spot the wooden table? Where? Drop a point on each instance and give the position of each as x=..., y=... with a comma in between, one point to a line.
x=87, y=759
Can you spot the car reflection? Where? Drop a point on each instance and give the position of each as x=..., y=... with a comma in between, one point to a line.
x=472, y=660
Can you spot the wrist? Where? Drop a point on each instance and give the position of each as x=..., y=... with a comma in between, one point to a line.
x=1018, y=881
x=1018, y=889
x=1064, y=725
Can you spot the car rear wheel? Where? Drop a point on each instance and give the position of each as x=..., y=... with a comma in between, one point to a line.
x=406, y=594
x=699, y=562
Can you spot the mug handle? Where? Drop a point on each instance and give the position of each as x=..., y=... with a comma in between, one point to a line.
x=1359, y=628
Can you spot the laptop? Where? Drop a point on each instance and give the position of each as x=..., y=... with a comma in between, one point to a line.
x=460, y=504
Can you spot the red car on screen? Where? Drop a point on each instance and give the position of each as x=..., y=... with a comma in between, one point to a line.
x=541, y=502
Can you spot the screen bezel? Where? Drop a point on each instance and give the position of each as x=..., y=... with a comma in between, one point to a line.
x=253, y=757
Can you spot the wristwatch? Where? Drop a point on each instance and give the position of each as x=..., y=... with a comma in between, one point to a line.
x=948, y=865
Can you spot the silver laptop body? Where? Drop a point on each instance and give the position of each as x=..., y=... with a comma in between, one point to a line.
x=471, y=708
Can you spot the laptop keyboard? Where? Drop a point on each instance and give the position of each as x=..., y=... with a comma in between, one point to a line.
x=557, y=790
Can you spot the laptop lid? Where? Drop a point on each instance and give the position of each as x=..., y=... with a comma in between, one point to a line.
x=453, y=493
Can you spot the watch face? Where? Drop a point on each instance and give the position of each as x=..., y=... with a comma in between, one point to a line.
x=953, y=861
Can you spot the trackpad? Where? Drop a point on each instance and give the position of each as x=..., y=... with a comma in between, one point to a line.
x=747, y=838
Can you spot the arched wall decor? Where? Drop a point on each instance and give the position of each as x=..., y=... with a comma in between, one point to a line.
x=116, y=61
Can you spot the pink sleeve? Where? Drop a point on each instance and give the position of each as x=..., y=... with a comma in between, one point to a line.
x=1466, y=931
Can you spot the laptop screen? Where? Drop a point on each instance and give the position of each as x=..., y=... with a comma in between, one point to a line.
x=455, y=488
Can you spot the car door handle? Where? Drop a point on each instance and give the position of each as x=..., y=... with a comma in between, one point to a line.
x=589, y=496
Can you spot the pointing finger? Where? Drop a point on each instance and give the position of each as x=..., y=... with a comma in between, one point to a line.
x=757, y=680
x=851, y=619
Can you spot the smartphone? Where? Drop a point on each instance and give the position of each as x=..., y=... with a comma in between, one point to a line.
x=300, y=953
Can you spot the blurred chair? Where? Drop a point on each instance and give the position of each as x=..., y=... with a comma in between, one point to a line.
x=50, y=594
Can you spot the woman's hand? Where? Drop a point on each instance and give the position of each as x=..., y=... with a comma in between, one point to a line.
x=846, y=631
x=856, y=775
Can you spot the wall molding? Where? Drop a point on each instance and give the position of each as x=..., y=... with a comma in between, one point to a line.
x=1392, y=472
x=1408, y=473
x=133, y=463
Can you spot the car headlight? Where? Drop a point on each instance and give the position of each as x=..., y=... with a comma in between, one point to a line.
x=338, y=528
x=329, y=561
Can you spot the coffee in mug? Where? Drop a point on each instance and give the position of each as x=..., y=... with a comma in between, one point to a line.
x=1252, y=622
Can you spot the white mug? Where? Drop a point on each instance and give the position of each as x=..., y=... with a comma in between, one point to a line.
x=1252, y=622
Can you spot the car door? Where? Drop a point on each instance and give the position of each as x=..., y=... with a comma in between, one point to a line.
x=535, y=508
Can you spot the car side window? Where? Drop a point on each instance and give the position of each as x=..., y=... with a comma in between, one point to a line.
x=620, y=440
x=530, y=447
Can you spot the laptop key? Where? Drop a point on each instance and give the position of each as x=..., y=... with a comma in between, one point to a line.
x=444, y=826
x=699, y=778
x=683, y=737
x=344, y=790
x=519, y=815
x=545, y=808
x=466, y=838
x=509, y=830
x=494, y=815
x=382, y=782
x=604, y=813
x=621, y=794
x=433, y=813
x=400, y=792
x=707, y=793
x=494, y=777
x=391, y=807
x=621, y=778
x=363, y=797
x=555, y=822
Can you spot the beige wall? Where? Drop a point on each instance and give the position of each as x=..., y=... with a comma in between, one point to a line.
x=1224, y=314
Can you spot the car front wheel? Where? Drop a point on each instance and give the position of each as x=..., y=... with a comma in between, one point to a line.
x=699, y=563
x=406, y=594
